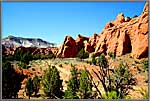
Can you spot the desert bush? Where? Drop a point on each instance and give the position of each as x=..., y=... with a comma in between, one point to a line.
x=110, y=95
x=82, y=54
x=102, y=61
x=26, y=57
x=145, y=64
x=22, y=65
x=51, y=83
x=72, y=84
x=18, y=54
x=112, y=55
x=11, y=81
x=119, y=80
x=36, y=85
x=85, y=86
x=29, y=87
x=7, y=57
x=88, y=62
x=51, y=56
x=123, y=80
x=60, y=65
x=65, y=62
x=36, y=56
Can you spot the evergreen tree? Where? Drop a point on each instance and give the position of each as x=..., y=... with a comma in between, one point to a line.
x=29, y=87
x=122, y=80
x=82, y=54
x=52, y=83
x=73, y=84
x=85, y=87
x=11, y=81
x=36, y=84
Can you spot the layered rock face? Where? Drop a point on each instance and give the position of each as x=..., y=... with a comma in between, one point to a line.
x=124, y=35
x=68, y=48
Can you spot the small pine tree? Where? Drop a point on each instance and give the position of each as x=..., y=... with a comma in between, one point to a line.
x=85, y=87
x=73, y=84
x=51, y=83
x=36, y=84
x=29, y=87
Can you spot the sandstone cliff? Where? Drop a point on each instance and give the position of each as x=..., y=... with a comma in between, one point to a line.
x=121, y=36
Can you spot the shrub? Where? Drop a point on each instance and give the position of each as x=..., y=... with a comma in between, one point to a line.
x=11, y=81
x=8, y=57
x=18, y=55
x=112, y=55
x=123, y=80
x=102, y=61
x=110, y=95
x=60, y=65
x=145, y=64
x=82, y=54
x=23, y=65
x=51, y=56
x=36, y=84
x=51, y=83
x=85, y=86
x=72, y=84
x=119, y=80
x=29, y=87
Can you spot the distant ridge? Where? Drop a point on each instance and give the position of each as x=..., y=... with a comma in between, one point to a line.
x=12, y=41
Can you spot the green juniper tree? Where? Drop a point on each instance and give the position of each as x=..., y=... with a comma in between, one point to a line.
x=82, y=54
x=29, y=87
x=51, y=83
x=85, y=86
x=122, y=80
x=36, y=84
x=73, y=84
x=117, y=82
x=11, y=81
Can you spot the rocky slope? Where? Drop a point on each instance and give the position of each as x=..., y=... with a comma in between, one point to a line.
x=121, y=36
x=30, y=50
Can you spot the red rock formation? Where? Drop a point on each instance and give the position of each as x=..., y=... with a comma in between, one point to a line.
x=68, y=48
x=30, y=50
x=80, y=41
x=121, y=36
x=125, y=37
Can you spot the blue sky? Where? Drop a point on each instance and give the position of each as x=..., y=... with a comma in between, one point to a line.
x=52, y=21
